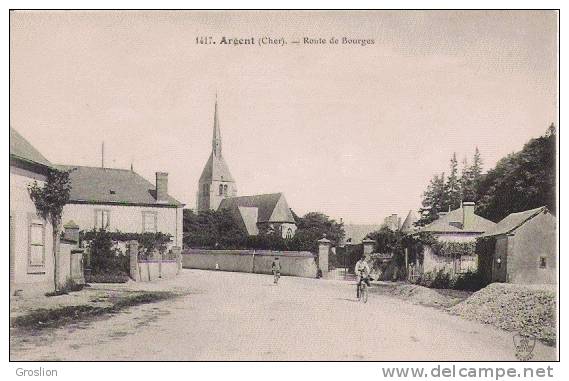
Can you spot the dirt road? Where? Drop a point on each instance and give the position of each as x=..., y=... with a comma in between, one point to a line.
x=236, y=316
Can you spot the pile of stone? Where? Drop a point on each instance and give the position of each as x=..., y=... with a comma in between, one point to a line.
x=528, y=310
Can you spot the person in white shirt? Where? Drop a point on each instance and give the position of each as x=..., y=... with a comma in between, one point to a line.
x=362, y=271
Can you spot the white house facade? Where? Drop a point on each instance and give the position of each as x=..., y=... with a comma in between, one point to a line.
x=122, y=200
x=31, y=247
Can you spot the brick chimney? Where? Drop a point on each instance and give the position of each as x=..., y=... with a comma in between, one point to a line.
x=467, y=215
x=161, y=186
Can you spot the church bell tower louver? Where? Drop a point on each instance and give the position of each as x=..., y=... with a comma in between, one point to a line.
x=216, y=182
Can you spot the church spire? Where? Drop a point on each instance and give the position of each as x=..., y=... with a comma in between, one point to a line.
x=216, y=141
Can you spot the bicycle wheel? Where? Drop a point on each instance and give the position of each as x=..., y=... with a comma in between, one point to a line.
x=364, y=294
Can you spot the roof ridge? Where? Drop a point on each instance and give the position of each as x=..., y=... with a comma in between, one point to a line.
x=92, y=167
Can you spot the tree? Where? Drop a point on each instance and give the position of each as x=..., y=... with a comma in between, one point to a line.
x=49, y=200
x=212, y=229
x=521, y=181
x=471, y=177
x=434, y=200
x=312, y=227
x=453, y=191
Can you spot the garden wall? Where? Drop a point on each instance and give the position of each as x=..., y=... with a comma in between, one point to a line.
x=293, y=263
x=151, y=270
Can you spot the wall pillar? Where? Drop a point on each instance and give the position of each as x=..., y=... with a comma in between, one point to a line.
x=323, y=255
x=133, y=255
x=177, y=251
x=368, y=246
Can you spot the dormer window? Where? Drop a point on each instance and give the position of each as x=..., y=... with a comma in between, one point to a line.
x=112, y=191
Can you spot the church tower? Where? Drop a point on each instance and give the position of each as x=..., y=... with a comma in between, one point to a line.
x=216, y=182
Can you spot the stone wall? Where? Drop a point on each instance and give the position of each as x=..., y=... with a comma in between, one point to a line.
x=293, y=263
x=157, y=267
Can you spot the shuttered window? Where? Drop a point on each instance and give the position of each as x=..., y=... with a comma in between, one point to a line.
x=102, y=219
x=36, y=249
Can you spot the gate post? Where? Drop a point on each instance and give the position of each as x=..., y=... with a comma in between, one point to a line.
x=323, y=255
x=177, y=251
x=133, y=256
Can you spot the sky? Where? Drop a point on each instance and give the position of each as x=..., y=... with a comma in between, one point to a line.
x=352, y=131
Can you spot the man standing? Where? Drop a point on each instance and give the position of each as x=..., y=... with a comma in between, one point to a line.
x=276, y=267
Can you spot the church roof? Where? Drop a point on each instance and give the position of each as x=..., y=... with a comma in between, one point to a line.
x=270, y=207
x=216, y=169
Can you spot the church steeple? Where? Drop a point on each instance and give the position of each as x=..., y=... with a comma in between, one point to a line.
x=216, y=182
x=216, y=141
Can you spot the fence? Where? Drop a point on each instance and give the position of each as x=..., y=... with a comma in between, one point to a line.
x=293, y=263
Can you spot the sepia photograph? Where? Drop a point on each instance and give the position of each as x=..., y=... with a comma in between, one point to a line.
x=284, y=185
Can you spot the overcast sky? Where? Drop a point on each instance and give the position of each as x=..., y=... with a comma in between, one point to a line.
x=352, y=131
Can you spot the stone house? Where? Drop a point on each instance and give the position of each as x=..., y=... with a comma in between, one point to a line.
x=461, y=225
x=261, y=213
x=521, y=248
x=122, y=200
x=31, y=253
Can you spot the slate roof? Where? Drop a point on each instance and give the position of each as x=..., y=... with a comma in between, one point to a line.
x=265, y=203
x=216, y=169
x=112, y=186
x=407, y=225
x=451, y=222
x=354, y=233
x=514, y=221
x=21, y=149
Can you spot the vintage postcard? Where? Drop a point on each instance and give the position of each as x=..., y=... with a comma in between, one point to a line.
x=226, y=185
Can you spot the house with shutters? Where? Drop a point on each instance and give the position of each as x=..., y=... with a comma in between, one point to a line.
x=31, y=248
x=263, y=212
x=122, y=200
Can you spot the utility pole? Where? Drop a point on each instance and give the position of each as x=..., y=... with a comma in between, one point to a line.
x=103, y=155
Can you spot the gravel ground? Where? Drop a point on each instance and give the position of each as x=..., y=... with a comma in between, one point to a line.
x=421, y=295
x=529, y=310
x=237, y=316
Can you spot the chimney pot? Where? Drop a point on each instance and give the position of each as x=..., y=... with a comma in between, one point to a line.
x=161, y=186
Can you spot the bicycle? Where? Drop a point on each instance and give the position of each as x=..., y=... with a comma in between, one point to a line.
x=361, y=289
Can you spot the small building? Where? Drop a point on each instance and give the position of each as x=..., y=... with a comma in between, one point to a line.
x=122, y=200
x=263, y=212
x=460, y=226
x=521, y=248
x=31, y=246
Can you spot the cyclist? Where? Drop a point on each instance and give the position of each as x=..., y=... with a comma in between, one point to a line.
x=276, y=267
x=362, y=271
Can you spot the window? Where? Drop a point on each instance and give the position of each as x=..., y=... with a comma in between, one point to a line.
x=288, y=233
x=102, y=219
x=542, y=262
x=149, y=222
x=225, y=189
x=36, y=252
x=220, y=189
